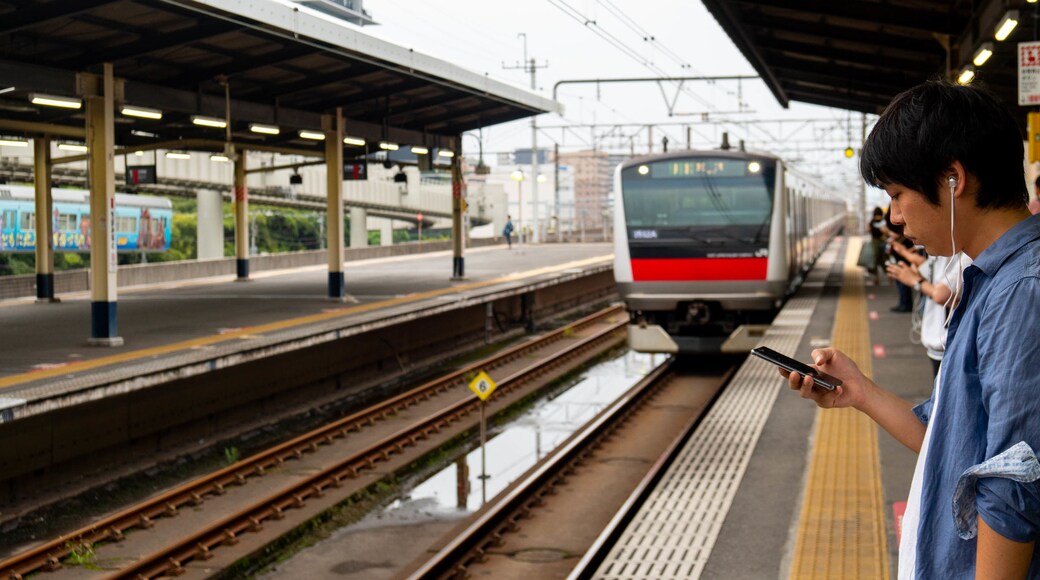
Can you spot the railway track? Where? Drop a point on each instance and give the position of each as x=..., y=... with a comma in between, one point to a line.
x=543, y=515
x=382, y=436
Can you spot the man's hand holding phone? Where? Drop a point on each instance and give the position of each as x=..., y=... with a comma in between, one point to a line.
x=833, y=362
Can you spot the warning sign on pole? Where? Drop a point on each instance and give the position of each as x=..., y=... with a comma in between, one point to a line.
x=1029, y=73
x=482, y=386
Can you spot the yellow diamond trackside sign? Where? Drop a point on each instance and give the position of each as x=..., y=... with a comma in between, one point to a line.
x=482, y=386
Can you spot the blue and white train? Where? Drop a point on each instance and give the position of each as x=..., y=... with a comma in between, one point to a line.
x=709, y=244
x=141, y=223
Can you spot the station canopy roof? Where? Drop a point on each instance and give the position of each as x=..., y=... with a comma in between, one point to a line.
x=282, y=65
x=858, y=54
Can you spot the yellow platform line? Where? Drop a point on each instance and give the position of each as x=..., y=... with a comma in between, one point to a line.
x=841, y=530
x=85, y=365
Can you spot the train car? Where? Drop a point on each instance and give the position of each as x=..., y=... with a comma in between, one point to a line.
x=709, y=244
x=140, y=223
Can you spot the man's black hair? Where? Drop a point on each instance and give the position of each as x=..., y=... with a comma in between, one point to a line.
x=927, y=128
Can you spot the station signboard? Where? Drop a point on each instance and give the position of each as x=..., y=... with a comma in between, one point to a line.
x=138, y=174
x=1028, y=73
x=355, y=170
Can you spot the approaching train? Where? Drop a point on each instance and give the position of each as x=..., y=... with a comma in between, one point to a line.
x=709, y=244
x=141, y=223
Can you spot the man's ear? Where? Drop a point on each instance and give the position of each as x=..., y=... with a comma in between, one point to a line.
x=956, y=178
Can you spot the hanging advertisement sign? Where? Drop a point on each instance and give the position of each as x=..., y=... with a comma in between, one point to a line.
x=1028, y=73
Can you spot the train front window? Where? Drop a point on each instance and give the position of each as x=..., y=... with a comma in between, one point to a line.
x=699, y=192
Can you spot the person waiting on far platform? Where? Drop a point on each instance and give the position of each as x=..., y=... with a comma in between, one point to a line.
x=950, y=157
x=507, y=231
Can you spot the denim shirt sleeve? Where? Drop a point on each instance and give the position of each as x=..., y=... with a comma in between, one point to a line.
x=1017, y=464
x=923, y=410
x=1009, y=351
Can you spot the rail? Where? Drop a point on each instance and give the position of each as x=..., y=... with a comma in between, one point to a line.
x=48, y=556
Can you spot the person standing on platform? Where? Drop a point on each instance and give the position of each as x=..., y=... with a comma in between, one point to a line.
x=931, y=279
x=896, y=239
x=507, y=231
x=950, y=157
x=876, y=228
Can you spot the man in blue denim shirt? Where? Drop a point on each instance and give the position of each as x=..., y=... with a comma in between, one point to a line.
x=951, y=159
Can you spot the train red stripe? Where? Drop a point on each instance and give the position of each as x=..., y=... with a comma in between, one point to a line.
x=682, y=269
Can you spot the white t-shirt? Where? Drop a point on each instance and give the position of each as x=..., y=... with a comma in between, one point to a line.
x=938, y=270
x=908, y=535
x=932, y=329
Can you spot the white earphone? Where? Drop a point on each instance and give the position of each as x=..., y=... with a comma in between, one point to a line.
x=951, y=302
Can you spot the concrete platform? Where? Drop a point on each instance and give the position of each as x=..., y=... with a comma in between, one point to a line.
x=767, y=505
x=174, y=330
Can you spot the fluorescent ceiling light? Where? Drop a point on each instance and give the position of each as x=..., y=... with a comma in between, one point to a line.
x=142, y=112
x=219, y=158
x=967, y=75
x=446, y=153
x=388, y=146
x=355, y=141
x=265, y=129
x=53, y=101
x=517, y=175
x=72, y=147
x=139, y=153
x=1007, y=25
x=177, y=155
x=13, y=143
x=208, y=121
x=420, y=150
x=316, y=135
x=983, y=53
x=6, y=90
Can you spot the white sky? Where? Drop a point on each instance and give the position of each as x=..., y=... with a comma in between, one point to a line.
x=482, y=35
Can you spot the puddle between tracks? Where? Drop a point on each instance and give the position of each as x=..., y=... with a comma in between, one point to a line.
x=514, y=447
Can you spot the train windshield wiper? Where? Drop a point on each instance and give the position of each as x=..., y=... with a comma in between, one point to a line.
x=761, y=228
x=710, y=235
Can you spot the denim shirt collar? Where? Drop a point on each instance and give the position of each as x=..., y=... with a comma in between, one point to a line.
x=998, y=252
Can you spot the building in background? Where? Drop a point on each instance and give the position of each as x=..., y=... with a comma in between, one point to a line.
x=349, y=10
x=593, y=177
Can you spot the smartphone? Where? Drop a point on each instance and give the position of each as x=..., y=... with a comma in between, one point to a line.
x=820, y=379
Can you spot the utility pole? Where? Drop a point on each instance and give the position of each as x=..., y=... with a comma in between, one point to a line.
x=529, y=66
x=556, y=190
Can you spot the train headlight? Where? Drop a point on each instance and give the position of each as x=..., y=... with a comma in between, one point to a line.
x=754, y=167
x=643, y=170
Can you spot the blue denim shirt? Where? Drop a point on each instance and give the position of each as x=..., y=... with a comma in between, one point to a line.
x=990, y=403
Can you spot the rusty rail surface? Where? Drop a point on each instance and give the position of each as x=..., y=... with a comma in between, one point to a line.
x=48, y=556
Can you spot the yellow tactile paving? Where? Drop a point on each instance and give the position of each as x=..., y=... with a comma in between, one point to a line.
x=290, y=323
x=841, y=530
